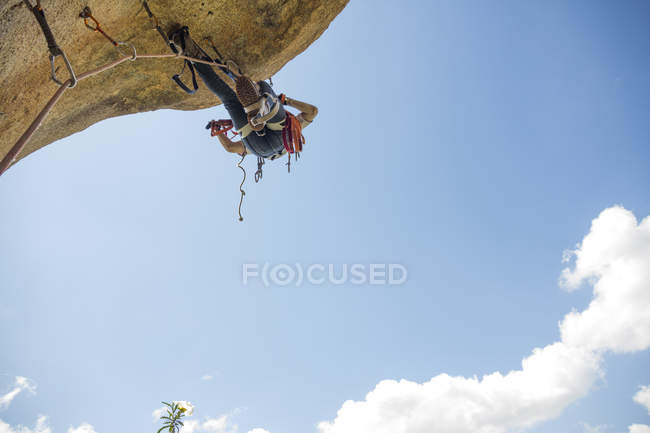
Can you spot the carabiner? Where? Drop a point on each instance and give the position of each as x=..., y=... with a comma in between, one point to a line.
x=68, y=66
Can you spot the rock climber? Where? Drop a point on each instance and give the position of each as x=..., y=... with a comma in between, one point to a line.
x=257, y=113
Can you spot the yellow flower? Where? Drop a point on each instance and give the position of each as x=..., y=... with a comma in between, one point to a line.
x=185, y=407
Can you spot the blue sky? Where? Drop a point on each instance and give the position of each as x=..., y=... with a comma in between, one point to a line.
x=472, y=142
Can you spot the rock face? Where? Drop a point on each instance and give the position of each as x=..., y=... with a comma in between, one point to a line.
x=260, y=35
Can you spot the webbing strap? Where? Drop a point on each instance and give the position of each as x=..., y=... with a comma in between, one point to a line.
x=45, y=27
x=253, y=106
x=177, y=79
x=277, y=126
x=245, y=131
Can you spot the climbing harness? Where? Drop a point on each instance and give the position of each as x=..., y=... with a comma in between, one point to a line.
x=55, y=50
x=86, y=14
x=267, y=107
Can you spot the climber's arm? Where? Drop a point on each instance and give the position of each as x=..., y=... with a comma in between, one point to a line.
x=307, y=111
x=231, y=146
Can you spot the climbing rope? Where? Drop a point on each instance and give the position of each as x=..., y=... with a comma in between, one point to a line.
x=221, y=127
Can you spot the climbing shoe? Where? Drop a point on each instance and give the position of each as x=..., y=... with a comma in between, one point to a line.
x=248, y=93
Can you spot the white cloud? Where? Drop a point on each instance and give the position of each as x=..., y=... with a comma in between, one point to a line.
x=20, y=384
x=643, y=397
x=615, y=258
x=216, y=425
x=550, y=379
x=639, y=428
x=83, y=428
x=190, y=426
x=207, y=377
x=587, y=428
x=156, y=414
x=40, y=427
x=258, y=430
x=220, y=424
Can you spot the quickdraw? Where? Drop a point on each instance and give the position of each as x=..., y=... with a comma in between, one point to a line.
x=156, y=26
x=55, y=50
x=175, y=50
x=259, y=173
x=86, y=14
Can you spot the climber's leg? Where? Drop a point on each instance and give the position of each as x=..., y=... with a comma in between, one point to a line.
x=212, y=81
x=217, y=86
